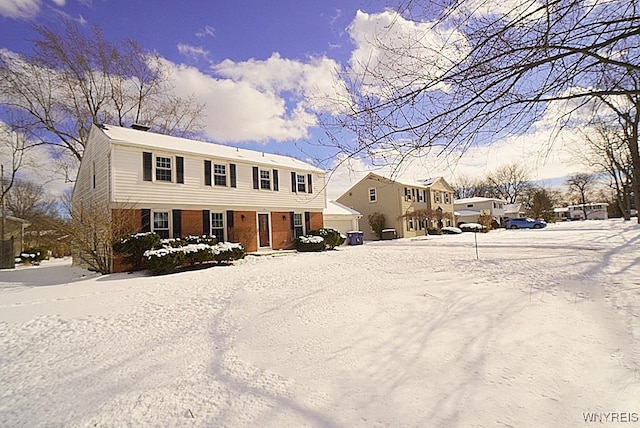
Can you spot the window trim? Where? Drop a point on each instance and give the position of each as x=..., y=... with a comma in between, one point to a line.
x=223, y=227
x=301, y=183
x=374, y=194
x=301, y=225
x=157, y=169
x=215, y=175
x=153, y=222
x=262, y=180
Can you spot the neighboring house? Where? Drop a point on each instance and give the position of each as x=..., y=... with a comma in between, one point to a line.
x=469, y=209
x=595, y=211
x=403, y=204
x=14, y=230
x=514, y=211
x=178, y=187
x=341, y=218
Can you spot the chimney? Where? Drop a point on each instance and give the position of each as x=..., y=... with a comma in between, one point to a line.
x=140, y=127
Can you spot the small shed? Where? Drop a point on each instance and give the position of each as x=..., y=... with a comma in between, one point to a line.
x=341, y=217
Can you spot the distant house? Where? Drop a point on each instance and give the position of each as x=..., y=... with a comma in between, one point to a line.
x=595, y=211
x=178, y=187
x=341, y=217
x=14, y=230
x=469, y=209
x=514, y=211
x=409, y=207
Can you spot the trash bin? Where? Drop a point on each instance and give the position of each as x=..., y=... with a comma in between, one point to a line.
x=355, y=237
x=388, y=234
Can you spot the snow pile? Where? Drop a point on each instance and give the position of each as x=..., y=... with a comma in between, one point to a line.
x=542, y=330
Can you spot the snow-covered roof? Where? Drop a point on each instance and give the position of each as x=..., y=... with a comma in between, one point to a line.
x=476, y=199
x=336, y=208
x=513, y=208
x=146, y=139
x=466, y=213
x=410, y=182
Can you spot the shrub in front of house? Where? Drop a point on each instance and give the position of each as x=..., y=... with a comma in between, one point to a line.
x=434, y=231
x=332, y=238
x=163, y=260
x=308, y=243
x=132, y=247
x=226, y=252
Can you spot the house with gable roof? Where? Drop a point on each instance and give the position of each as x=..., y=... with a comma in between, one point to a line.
x=178, y=187
x=402, y=202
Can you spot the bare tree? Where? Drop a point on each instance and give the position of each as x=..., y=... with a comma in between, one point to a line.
x=581, y=184
x=607, y=150
x=497, y=72
x=510, y=182
x=74, y=79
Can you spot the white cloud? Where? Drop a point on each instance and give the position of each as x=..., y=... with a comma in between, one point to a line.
x=206, y=31
x=238, y=111
x=393, y=52
x=522, y=10
x=59, y=2
x=19, y=9
x=192, y=51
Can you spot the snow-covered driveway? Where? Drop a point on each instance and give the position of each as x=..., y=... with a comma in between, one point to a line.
x=541, y=330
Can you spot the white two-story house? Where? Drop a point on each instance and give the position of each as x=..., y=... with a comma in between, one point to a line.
x=178, y=187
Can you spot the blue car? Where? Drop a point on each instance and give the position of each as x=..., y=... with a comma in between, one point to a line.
x=525, y=223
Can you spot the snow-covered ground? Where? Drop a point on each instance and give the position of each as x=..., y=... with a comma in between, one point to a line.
x=541, y=330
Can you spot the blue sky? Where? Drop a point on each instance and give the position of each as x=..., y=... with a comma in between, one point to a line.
x=261, y=67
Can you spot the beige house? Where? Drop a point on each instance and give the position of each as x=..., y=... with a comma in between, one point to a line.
x=408, y=207
x=469, y=209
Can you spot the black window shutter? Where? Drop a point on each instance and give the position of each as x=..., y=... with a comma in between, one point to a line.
x=145, y=225
x=307, y=221
x=292, y=224
x=180, y=169
x=232, y=173
x=147, y=165
x=206, y=222
x=293, y=182
x=207, y=173
x=177, y=223
x=255, y=178
x=309, y=184
x=276, y=181
x=230, y=226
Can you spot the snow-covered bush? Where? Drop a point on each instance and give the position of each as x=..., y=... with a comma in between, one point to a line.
x=164, y=260
x=33, y=256
x=226, y=252
x=132, y=247
x=332, y=238
x=307, y=243
x=176, y=252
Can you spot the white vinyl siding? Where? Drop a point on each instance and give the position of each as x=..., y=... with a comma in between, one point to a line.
x=129, y=186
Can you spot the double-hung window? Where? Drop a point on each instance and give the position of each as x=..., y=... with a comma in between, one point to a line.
x=163, y=168
x=219, y=175
x=373, y=195
x=265, y=179
x=447, y=198
x=302, y=184
x=161, y=223
x=217, y=226
x=298, y=228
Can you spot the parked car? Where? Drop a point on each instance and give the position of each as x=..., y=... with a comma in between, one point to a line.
x=525, y=223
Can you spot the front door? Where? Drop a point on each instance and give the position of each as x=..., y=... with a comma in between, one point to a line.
x=263, y=230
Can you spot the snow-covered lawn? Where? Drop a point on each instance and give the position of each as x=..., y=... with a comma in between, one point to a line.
x=541, y=330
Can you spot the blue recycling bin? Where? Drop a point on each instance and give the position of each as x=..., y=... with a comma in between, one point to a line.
x=355, y=237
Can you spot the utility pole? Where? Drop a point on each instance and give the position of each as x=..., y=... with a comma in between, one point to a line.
x=3, y=222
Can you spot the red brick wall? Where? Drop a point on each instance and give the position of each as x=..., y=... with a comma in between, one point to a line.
x=316, y=220
x=245, y=231
x=126, y=221
x=281, y=230
x=191, y=222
